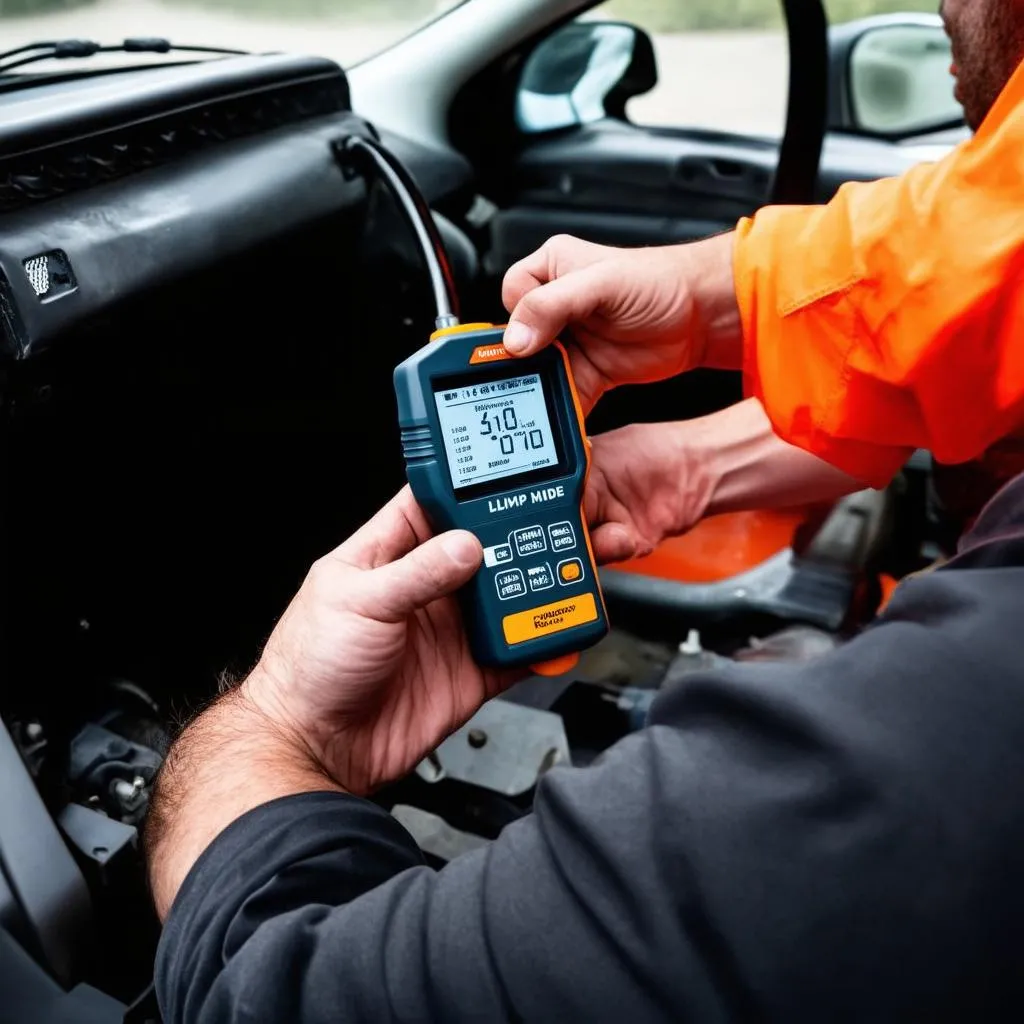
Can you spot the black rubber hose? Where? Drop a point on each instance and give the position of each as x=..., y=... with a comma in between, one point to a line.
x=419, y=217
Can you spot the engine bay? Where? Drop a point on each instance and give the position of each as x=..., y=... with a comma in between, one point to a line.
x=200, y=312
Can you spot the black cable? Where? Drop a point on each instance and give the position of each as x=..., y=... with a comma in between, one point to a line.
x=47, y=51
x=25, y=49
x=417, y=213
x=66, y=49
x=157, y=45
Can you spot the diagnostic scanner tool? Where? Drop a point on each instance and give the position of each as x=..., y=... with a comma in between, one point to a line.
x=496, y=445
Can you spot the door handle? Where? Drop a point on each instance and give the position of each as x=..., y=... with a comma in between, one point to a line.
x=720, y=176
x=730, y=170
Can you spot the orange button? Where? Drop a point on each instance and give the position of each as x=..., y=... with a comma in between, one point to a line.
x=556, y=617
x=569, y=572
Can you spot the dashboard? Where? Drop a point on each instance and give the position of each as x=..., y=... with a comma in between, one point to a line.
x=200, y=313
x=134, y=176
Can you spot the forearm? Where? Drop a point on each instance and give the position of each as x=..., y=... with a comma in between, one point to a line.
x=749, y=467
x=229, y=761
x=707, y=267
x=680, y=877
x=656, y=480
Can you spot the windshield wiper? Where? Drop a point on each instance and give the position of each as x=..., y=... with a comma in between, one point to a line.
x=64, y=49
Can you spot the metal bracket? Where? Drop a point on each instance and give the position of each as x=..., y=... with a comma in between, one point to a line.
x=504, y=748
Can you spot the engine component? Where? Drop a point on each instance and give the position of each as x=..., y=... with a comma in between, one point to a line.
x=55, y=907
x=798, y=644
x=691, y=657
x=814, y=583
x=504, y=748
x=112, y=773
x=434, y=836
x=30, y=994
x=100, y=841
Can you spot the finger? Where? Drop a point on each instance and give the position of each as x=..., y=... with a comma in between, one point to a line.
x=543, y=313
x=613, y=542
x=590, y=382
x=393, y=532
x=434, y=570
x=523, y=277
x=559, y=255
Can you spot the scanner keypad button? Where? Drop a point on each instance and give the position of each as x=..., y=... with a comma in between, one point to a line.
x=510, y=584
x=497, y=555
x=531, y=541
x=570, y=571
x=540, y=577
x=563, y=536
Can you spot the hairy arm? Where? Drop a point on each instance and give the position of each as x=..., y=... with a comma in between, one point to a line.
x=230, y=760
x=652, y=481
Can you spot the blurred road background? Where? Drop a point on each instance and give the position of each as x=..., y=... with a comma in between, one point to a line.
x=722, y=63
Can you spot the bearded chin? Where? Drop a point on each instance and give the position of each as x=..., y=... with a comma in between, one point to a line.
x=999, y=47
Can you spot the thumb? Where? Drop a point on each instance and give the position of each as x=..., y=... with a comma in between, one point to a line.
x=613, y=542
x=435, y=569
x=542, y=314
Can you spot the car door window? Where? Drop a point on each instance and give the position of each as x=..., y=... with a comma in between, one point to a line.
x=721, y=66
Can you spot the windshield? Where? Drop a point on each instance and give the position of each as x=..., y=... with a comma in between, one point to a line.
x=347, y=31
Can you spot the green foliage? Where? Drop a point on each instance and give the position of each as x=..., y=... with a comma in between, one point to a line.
x=20, y=8
x=694, y=15
x=697, y=15
x=652, y=15
x=848, y=10
x=362, y=11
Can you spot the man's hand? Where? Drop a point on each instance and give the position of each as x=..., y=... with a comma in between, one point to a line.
x=636, y=315
x=647, y=482
x=369, y=667
x=658, y=480
x=366, y=673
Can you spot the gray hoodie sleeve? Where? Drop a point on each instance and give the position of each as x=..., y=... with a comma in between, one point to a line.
x=834, y=841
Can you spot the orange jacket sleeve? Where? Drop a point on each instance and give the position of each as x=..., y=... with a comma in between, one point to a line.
x=893, y=318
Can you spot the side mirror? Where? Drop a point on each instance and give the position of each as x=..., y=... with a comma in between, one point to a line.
x=890, y=77
x=584, y=72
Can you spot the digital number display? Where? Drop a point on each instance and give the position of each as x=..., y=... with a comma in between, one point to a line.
x=495, y=429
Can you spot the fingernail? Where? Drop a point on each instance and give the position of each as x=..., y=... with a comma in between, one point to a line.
x=462, y=548
x=518, y=337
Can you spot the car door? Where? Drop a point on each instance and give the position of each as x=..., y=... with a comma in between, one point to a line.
x=630, y=137
x=627, y=137
x=619, y=136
